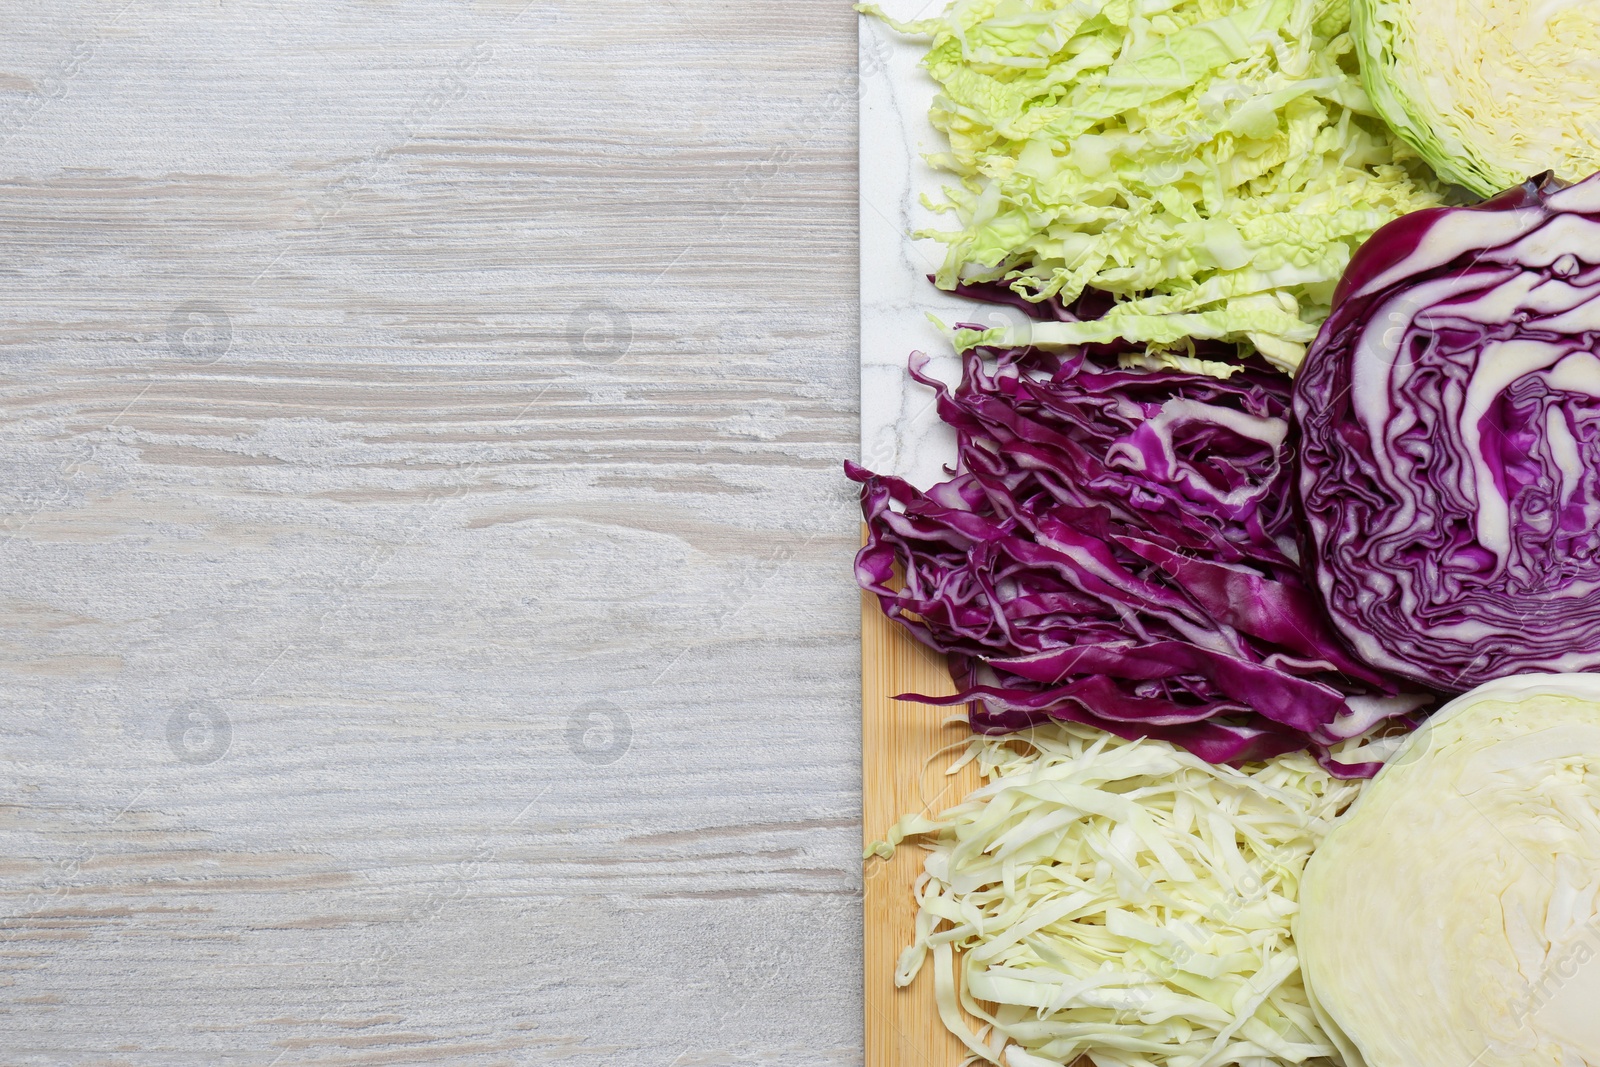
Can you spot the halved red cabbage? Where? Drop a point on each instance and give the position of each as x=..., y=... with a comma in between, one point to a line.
x=1449, y=464
x=1117, y=547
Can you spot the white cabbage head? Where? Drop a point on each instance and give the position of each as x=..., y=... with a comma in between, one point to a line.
x=1489, y=92
x=1452, y=916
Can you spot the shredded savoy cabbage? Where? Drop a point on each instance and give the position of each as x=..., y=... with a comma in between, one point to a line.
x=1211, y=164
x=1121, y=899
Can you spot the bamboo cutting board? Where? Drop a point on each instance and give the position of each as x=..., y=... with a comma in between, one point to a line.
x=902, y=771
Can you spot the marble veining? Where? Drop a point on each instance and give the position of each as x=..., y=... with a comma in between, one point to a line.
x=900, y=431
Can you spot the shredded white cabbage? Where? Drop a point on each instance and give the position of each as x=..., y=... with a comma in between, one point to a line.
x=1124, y=900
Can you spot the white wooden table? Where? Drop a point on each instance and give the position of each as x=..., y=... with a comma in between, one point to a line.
x=426, y=624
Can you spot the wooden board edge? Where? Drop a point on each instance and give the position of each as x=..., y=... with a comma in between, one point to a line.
x=905, y=751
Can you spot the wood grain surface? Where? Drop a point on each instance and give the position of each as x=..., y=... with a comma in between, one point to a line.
x=426, y=624
x=906, y=750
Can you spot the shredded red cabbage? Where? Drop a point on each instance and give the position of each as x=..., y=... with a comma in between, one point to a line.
x=1450, y=454
x=1117, y=547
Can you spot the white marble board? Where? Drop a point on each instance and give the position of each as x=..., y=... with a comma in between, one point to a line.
x=900, y=431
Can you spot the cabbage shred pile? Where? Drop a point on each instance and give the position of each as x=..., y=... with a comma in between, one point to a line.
x=1212, y=164
x=1123, y=899
x=1117, y=548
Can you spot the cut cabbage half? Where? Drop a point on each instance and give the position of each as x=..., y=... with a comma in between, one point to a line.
x=1452, y=917
x=1490, y=92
